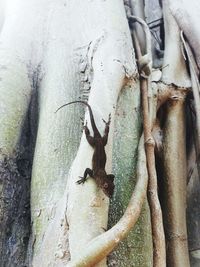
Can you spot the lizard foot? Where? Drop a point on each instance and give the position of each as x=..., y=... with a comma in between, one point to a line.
x=107, y=123
x=81, y=181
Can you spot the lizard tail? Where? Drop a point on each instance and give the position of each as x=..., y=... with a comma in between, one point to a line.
x=94, y=127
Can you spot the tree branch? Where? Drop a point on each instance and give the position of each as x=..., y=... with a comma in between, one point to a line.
x=159, y=257
x=174, y=154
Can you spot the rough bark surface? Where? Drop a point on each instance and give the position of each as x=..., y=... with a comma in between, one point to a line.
x=53, y=52
x=135, y=250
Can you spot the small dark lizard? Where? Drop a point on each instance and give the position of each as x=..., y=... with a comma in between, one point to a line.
x=103, y=180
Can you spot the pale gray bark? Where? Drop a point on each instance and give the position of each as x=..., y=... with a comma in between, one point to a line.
x=53, y=52
x=2, y=13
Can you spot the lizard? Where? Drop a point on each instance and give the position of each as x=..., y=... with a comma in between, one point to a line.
x=98, y=173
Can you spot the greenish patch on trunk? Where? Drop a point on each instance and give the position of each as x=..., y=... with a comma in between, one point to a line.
x=136, y=249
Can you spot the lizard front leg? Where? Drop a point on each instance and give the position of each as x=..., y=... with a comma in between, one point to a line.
x=84, y=178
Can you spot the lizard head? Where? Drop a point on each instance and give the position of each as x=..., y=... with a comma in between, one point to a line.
x=108, y=185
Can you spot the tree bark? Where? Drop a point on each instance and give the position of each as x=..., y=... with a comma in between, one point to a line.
x=15, y=152
x=134, y=250
x=53, y=52
x=87, y=71
x=175, y=185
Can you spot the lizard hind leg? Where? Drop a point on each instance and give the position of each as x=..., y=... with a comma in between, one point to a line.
x=107, y=123
x=84, y=178
x=106, y=130
x=89, y=138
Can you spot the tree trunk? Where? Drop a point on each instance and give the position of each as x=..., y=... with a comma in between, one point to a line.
x=54, y=52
